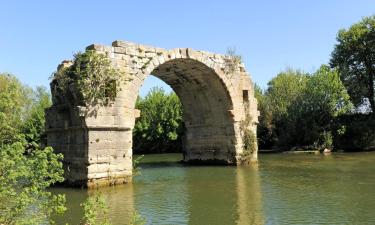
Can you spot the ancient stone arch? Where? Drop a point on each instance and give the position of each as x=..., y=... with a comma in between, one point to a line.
x=98, y=148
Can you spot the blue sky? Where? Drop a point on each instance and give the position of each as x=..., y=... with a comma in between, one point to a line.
x=35, y=36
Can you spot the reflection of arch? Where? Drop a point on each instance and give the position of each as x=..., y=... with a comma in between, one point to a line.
x=238, y=200
x=98, y=149
x=249, y=196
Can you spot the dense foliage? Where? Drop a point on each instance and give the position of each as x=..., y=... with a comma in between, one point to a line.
x=356, y=132
x=21, y=111
x=14, y=103
x=160, y=127
x=354, y=56
x=24, y=178
x=91, y=80
x=299, y=109
x=34, y=125
x=26, y=169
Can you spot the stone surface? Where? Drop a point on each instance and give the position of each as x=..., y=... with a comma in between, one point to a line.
x=98, y=149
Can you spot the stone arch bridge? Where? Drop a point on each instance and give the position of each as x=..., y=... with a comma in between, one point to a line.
x=98, y=149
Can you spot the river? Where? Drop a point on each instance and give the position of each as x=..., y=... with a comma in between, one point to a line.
x=281, y=189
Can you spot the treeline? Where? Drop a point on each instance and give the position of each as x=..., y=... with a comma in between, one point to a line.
x=303, y=111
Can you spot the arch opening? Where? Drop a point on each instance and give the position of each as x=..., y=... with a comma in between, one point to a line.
x=159, y=127
x=209, y=135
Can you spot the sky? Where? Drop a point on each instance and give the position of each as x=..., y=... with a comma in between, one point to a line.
x=35, y=36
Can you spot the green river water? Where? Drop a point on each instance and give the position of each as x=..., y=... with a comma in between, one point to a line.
x=281, y=189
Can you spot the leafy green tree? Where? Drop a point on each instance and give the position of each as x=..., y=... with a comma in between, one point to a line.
x=159, y=127
x=14, y=104
x=324, y=98
x=24, y=178
x=284, y=89
x=25, y=175
x=34, y=126
x=265, y=128
x=300, y=109
x=21, y=111
x=282, y=92
x=354, y=56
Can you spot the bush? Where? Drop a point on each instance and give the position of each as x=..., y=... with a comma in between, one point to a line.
x=91, y=80
x=24, y=178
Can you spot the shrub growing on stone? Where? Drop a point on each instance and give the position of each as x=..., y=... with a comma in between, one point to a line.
x=90, y=80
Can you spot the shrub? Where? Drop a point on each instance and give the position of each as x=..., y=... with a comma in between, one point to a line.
x=24, y=178
x=91, y=80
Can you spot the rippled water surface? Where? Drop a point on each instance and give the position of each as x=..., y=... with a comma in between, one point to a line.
x=281, y=189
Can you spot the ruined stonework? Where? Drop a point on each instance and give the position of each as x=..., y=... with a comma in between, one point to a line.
x=98, y=148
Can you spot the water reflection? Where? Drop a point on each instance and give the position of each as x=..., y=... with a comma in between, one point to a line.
x=334, y=189
x=212, y=195
x=119, y=199
x=162, y=193
x=249, y=196
x=171, y=193
x=225, y=195
x=286, y=189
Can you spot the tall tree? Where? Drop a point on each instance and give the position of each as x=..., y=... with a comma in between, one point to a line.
x=354, y=56
x=284, y=89
x=14, y=105
x=312, y=115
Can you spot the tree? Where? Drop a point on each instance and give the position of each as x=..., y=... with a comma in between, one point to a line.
x=159, y=127
x=34, y=126
x=299, y=109
x=26, y=170
x=24, y=178
x=282, y=92
x=265, y=128
x=14, y=105
x=312, y=114
x=354, y=56
x=21, y=111
x=284, y=89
